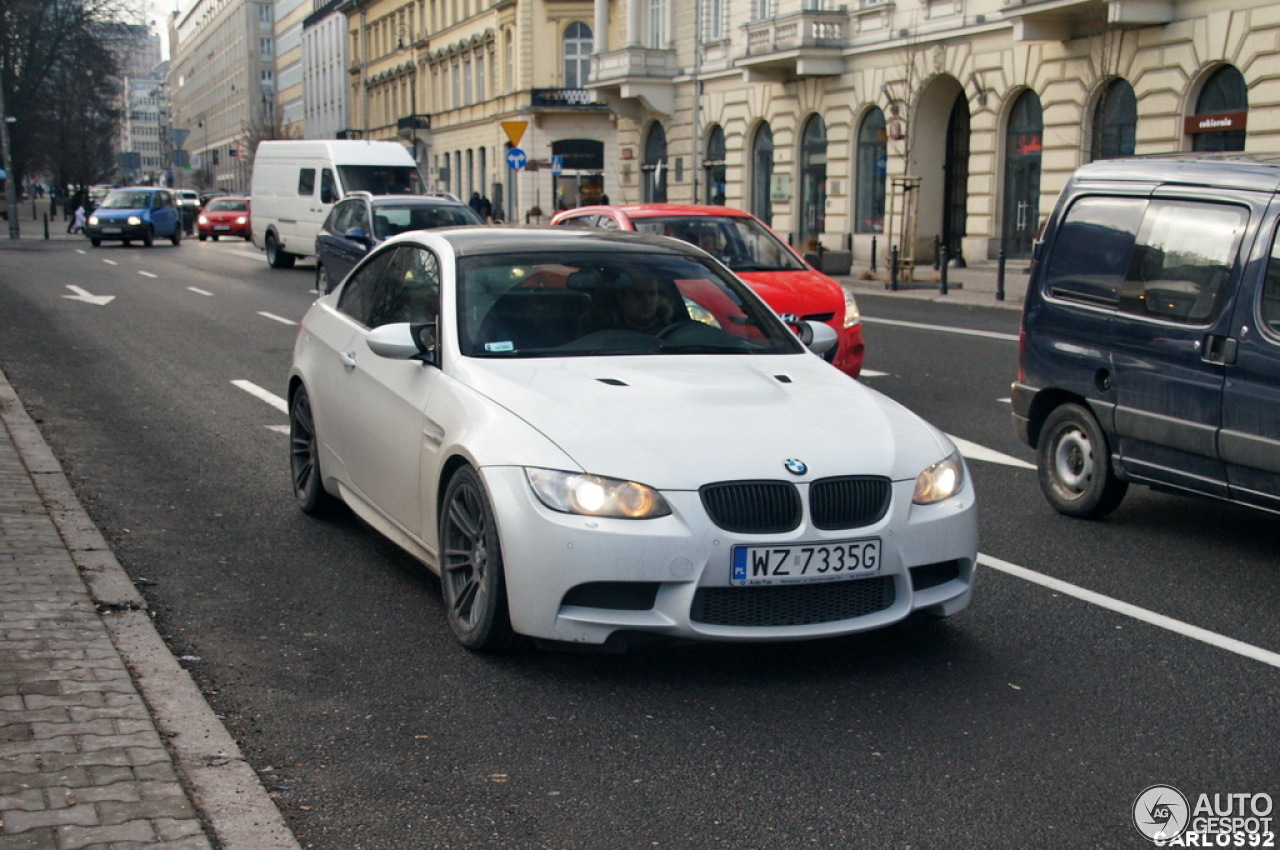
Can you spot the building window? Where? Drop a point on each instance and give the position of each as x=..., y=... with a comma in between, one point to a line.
x=1115, y=122
x=713, y=25
x=872, y=171
x=762, y=174
x=761, y=10
x=654, y=168
x=714, y=166
x=657, y=37
x=577, y=55
x=1225, y=92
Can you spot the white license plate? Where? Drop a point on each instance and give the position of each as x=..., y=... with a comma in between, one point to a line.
x=222, y=227
x=805, y=562
x=112, y=230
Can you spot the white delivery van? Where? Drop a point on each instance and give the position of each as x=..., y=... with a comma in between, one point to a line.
x=296, y=182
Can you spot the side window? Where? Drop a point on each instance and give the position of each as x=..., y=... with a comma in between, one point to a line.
x=328, y=187
x=411, y=292
x=607, y=223
x=363, y=291
x=343, y=215
x=1271, y=289
x=307, y=181
x=1182, y=261
x=359, y=216
x=1092, y=247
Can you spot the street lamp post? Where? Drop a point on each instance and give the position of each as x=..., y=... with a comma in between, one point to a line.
x=10, y=182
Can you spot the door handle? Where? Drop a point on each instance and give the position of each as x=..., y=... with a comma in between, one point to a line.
x=348, y=359
x=1219, y=349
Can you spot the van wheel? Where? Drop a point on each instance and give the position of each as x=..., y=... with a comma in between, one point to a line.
x=277, y=258
x=1074, y=464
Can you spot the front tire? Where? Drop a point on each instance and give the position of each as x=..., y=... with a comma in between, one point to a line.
x=304, y=458
x=176, y=238
x=149, y=237
x=471, y=571
x=97, y=243
x=202, y=237
x=1074, y=465
x=277, y=258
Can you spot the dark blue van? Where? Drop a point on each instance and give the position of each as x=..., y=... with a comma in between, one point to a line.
x=1151, y=333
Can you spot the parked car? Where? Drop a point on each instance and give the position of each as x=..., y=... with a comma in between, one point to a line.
x=142, y=213
x=1151, y=333
x=496, y=402
x=224, y=216
x=362, y=220
x=752, y=251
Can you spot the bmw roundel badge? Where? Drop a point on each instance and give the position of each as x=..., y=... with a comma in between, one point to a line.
x=795, y=467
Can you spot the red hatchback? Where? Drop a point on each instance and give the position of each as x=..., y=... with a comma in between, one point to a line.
x=754, y=253
x=224, y=217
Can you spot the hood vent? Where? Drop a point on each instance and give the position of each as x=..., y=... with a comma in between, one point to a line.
x=613, y=382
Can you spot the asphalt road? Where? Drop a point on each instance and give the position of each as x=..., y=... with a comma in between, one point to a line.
x=1034, y=719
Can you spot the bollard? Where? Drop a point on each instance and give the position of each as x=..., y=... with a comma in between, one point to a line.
x=46, y=226
x=35, y=216
x=873, y=254
x=942, y=254
x=893, y=268
x=848, y=242
x=1000, y=275
x=937, y=251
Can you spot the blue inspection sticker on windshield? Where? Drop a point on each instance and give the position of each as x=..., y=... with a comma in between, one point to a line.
x=500, y=346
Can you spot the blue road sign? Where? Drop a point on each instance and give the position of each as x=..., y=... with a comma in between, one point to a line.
x=516, y=158
x=557, y=164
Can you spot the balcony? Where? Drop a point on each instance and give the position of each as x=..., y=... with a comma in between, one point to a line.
x=574, y=99
x=1059, y=20
x=805, y=44
x=636, y=76
x=406, y=125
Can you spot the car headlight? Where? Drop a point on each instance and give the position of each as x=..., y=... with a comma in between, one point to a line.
x=242, y=220
x=592, y=495
x=93, y=219
x=134, y=220
x=941, y=481
x=202, y=220
x=852, y=315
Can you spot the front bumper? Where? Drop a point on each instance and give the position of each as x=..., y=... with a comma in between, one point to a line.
x=117, y=230
x=580, y=579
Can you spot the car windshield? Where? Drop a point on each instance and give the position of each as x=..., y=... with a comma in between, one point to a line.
x=227, y=205
x=125, y=200
x=743, y=244
x=534, y=304
x=381, y=179
x=390, y=219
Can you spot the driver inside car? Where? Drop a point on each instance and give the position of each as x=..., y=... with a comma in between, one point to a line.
x=631, y=303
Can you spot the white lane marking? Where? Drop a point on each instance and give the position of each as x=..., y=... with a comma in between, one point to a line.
x=1160, y=620
x=973, y=451
x=276, y=318
x=943, y=329
x=88, y=297
x=281, y=429
x=200, y=291
x=871, y=373
x=111, y=262
x=146, y=274
x=264, y=395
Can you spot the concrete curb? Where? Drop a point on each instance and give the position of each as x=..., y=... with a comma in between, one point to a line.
x=222, y=785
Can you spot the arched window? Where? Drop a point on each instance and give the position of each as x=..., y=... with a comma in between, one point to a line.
x=762, y=173
x=1225, y=92
x=1023, y=147
x=714, y=166
x=577, y=55
x=813, y=179
x=654, y=168
x=1115, y=122
x=872, y=168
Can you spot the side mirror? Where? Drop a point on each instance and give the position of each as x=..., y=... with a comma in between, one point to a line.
x=404, y=341
x=818, y=337
x=358, y=234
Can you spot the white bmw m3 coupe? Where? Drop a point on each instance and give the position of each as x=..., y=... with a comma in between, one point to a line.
x=591, y=435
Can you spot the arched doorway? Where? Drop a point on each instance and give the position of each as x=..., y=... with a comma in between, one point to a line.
x=940, y=161
x=1115, y=122
x=1023, y=145
x=1225, y=99
x=871, y=171
x=955, y=195
x=762, y=173
x=653, y=170
x=813, y=179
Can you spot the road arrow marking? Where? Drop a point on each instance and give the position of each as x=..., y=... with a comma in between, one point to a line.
x=87, y=297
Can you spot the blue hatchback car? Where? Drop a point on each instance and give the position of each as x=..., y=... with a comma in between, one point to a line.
x=1151, y=333
x=142, y=213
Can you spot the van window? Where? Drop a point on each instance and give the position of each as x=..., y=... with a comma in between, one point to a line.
x=1271, y=289
x=381, y=179
x=307, y=182
x=1182, y=260
x=328, y=191
x=1092, y=248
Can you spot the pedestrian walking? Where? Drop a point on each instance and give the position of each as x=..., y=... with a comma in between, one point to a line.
x=78, y=222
